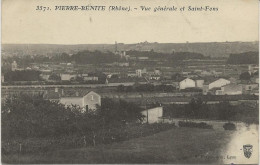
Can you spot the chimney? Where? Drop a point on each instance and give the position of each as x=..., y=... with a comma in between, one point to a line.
x=77, y=93
x=62, y=92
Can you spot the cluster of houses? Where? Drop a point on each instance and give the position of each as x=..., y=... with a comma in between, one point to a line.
x=221, y=86
x=45, y=75
x=208, y=84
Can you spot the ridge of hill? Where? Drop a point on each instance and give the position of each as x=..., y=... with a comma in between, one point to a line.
x=212, y=49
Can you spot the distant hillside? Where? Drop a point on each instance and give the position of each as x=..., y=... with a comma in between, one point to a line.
x=213, y=49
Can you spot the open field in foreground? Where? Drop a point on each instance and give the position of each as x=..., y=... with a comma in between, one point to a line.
x=178, y=145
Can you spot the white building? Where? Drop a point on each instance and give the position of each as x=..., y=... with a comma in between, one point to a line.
x=67, y=77
x=123, y=64
x=45, y=76
x=230, y=89
x=218, y=83
x=187, y=83
x=252, y=69
x=86, y=102
x=131, y=75
x=157, y=72
x=2, y=78
x=140, y=72
x=142, y=58
x=155, y=77
x=152, y=115
x=90, y=78
x=14, y=66
x=199, y=83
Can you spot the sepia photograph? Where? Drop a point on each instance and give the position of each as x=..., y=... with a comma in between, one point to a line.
x=130, y=82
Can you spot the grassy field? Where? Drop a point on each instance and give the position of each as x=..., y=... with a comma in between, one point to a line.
x=177, y=145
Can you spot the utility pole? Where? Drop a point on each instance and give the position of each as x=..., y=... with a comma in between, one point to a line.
x=146, y=112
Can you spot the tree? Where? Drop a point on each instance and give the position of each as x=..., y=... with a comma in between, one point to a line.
x=129, y=89
x=256, y=73
x=225, y=111
x=54, y=77
x=79, y=79
x=176, y=76
x=244, y=58
x=32, y=116
x=145, y=88
x=114, y=76
x=193, y=108
x=96, y=57
x=120, y=88
x=116, y=112
x=245, y=76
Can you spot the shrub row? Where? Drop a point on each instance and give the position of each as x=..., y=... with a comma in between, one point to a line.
x=195, y=125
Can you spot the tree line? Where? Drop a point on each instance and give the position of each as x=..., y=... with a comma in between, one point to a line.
x=26, y=116
x=244, y=58
x=22, y=75
x=146, y=88
x=199, y=109
x=97, y=57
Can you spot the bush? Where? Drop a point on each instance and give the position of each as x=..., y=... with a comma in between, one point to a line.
x=229, y=126
x=195, y=125
x=191, y=90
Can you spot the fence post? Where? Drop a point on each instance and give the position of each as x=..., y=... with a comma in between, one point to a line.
x=94, y=140
x=20, y=147
x=85, y=142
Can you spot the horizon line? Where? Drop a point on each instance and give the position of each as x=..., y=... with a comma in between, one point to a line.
x=187, y=42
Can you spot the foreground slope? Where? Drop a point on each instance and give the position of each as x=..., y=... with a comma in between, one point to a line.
x=178, y=145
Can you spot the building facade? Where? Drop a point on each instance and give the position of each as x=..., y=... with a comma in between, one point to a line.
x=152, y=115
x=87, y=102
x=187, y=83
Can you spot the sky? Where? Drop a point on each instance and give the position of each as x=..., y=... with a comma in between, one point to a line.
x=235, y=20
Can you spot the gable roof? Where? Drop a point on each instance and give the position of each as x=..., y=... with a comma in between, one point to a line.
x=185, y=79
x=213, y=79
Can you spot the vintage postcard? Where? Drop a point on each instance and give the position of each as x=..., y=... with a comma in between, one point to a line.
x=130, y=82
